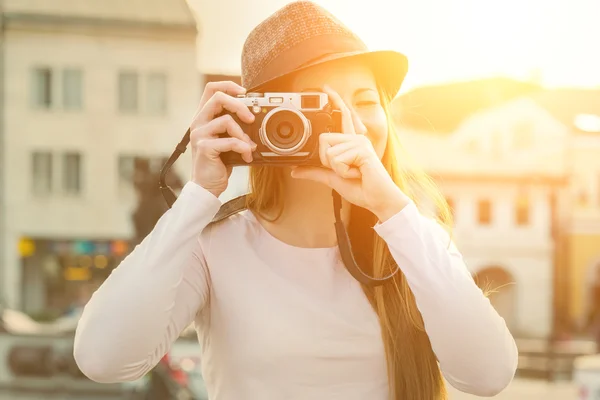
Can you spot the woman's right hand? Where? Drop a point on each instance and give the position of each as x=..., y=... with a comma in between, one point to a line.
x=208, y=169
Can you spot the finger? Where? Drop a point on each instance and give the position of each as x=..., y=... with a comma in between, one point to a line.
x=340, y=148
x=333, y=139
x=330, y=151
x=222, y=124
x=227, y=87
x=323, y=149
x=328, y=140
x=220, y=102
x=321, y=175
x=347, y=164
x=212, y=148
x=338, y=102
x=359, y=127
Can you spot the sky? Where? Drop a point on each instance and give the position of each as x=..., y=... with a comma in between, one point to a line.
x=556, y=41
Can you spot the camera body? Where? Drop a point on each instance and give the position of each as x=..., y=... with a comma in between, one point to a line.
x=286, y=127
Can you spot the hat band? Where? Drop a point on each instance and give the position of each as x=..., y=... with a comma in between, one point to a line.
x=306, y=52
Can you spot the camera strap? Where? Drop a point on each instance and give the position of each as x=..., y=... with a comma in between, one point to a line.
x=238, y=204
x=230, y=208
x=346, y=249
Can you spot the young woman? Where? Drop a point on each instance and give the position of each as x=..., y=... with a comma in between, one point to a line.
x=277, y=313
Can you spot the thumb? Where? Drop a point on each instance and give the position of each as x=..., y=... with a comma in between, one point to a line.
x=310, y=173
x=321, y=175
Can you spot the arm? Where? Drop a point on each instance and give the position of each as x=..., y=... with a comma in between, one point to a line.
x=476, y=351
x=140, y=310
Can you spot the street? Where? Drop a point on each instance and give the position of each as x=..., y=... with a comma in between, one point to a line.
x=528, y=390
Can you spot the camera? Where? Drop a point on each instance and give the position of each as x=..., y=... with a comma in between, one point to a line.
x=286, y=127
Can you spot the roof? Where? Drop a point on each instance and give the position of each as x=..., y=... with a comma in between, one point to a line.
x=572, y=107
x=442, y=157
x=442, y=108
x=163, y=12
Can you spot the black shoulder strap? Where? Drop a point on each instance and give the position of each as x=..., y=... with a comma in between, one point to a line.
x=230, y=208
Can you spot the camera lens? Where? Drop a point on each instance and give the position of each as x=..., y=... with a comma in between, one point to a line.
x=285, y=130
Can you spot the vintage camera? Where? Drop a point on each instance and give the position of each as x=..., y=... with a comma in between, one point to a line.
x=286, y=128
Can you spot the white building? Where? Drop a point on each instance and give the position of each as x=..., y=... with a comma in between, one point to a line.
x=87, y=85
x=500, y=170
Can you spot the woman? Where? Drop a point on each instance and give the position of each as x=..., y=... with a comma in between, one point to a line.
x=277, y=314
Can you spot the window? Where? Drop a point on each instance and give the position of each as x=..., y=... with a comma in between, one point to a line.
x=42, y=87
x=72, y=173
x=156, y=94
x=128, y=91
x=522, y=211
x=582, y=198
x=72, y=89
x=472, y=146
x=484, y=211
x=581, y=191
x=41, y=172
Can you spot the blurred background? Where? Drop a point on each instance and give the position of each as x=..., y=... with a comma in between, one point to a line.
x=501, y=106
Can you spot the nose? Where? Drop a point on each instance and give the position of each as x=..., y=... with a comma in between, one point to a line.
x=359, y=127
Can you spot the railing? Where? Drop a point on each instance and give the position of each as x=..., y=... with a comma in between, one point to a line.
x=552, y=361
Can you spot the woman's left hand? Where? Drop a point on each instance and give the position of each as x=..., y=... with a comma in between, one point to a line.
x=353, y=169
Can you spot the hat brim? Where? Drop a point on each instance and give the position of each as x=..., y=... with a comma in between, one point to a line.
x=389, y=69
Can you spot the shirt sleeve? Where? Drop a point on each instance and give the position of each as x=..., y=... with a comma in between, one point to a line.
x=131, y=321
x=476, y=352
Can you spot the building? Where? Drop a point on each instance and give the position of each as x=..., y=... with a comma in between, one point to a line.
x=503, y=139
x=579, y=112
x=584, y=231
x=503, y=170
x=87, y=85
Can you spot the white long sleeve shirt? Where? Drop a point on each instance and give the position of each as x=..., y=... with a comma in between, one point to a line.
x=276, y=321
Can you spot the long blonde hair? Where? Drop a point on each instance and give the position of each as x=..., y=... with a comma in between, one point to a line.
x=412, y=365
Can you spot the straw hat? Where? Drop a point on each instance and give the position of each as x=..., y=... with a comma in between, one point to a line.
x=303, y=34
